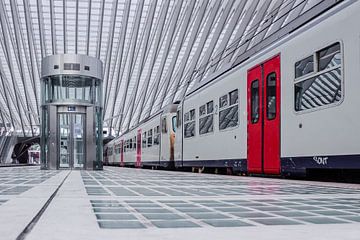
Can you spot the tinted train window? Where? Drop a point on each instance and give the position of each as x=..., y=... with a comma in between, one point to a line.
x=202, y=110
x=223, y=101
x=189, y=125
x=329, y=57
x=324, y=86
x=144, y=140
x=178, y=119
x=229, y=114
x=174, y=123
x=271, y=96
x=255, y=101
x=134, y=143
x=304, y=66
x=149, y=139
x=164, y=125
x=206, y=121
x=156, y=135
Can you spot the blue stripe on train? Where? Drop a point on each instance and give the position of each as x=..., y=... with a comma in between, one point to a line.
x=236, y=164
x=298, y=165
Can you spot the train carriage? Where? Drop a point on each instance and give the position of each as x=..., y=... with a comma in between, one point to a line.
x=288, y=109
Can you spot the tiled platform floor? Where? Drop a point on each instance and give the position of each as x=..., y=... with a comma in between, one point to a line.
x=143, y=204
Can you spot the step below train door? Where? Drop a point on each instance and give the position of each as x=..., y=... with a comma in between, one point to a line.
x=263, y=127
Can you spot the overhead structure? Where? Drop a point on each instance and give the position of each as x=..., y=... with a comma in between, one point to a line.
x=154, y=51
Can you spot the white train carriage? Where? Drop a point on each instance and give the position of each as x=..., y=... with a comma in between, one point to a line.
x=289, y=108
x=150, y=144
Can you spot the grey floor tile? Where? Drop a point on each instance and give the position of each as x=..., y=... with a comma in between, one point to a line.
x=227, y=223
x=175, y=224
x=120, y=224
x=275, y=221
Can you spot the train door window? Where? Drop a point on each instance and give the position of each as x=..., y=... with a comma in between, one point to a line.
x=134, y=143
x=229, y=113
x=163, y=125
x=271, y=96
x=189, y=124
x=149, y=141
x=144, y=140
x=178, y=119
x=156, y=135
x=255, y=101
x=322, y=87
x=173, y=123
x=130, y=144
x=206, y=121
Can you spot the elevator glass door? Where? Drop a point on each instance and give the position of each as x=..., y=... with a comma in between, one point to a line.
x=72, y=140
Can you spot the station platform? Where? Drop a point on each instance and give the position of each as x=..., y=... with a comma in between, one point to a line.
x=123, y=203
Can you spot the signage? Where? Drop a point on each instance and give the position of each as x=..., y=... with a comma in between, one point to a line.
x=71, y=108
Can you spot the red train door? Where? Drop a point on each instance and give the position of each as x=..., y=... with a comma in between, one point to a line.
x=138, y=149
x=121, y=152
x=263, y=128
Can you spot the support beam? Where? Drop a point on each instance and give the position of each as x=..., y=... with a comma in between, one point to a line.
x=76, y=25
x=100, y=29
x=194, y=35
x=174, y=21
x=131, y=59
x=32, y=54
x=64, y=26
x=53, y=30
x=88, y=28
x=229, y=32
x=204, y=36
x=8, y=55
x=181, y=38
x=149, y=24
x=120, y=49
x=110, y=42
x=41, y=28
x=158, y=34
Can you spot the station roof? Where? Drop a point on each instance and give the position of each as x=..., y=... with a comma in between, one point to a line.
x=154, y=51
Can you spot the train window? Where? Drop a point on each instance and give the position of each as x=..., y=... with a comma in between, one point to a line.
x=149, y=139
x=187, y=116
x=229, y=115
x=117, y=149
x=255, y=101
x=210, y=107
x=134, y=143
x=329, y=57
x=156, y=135
x=178, y=118
x=144, y=140
x=324, y=86
x=130, y=144
x=304, y=66
x=174, y=123
x=223, y=101
x=164, y=125
x=189, y=124
x=192, y=114
x=234, y=97
x=271, y=96
x=202, y=110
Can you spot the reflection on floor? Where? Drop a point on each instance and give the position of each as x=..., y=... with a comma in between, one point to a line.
x=128, y=203
x=286, y=208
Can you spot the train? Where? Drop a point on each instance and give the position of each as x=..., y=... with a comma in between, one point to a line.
x=289, y=109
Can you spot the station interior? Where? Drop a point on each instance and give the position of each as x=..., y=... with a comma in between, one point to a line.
x=179, y=119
